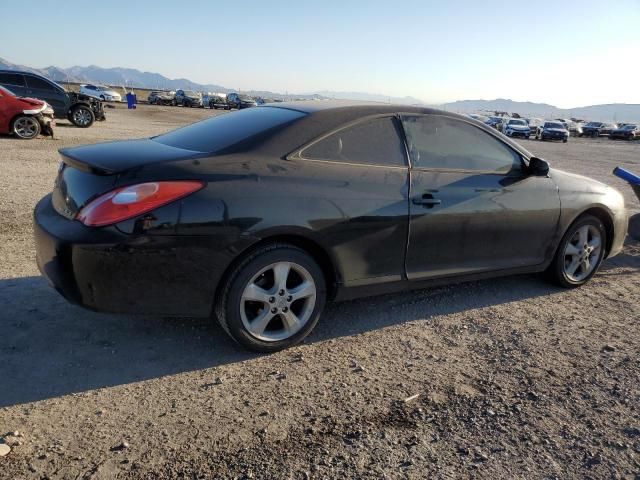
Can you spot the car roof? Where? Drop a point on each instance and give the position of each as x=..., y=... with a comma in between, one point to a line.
x=357, y=107
x=323, y=116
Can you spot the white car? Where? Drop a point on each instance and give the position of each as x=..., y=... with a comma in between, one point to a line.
x=101, y=92
x=516, y=127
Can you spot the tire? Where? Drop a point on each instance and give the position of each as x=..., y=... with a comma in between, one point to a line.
x=559, y=272
x=102, y=98
x=256, y=276
x=565, y=140
x=25, y=127
x=82, y=116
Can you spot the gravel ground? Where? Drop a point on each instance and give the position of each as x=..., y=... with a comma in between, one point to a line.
x=507, y=378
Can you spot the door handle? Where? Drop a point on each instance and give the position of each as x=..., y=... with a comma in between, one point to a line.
x=426, y=200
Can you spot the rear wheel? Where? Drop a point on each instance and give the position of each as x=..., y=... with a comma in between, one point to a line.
x=82, y=116
x=25, y=127
x=273, y=298
x=580, y=253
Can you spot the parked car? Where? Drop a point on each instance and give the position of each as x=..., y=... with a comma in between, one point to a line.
x=628, y=132
x=552, y=131
x=476, y=116
x=516, y=127
x=495, y=122
x=216, y=101
x=239, y=101
x=161, y=98
x=262, y=215
x=81, y=110
x=534, y=123
x=188, y=98
x=575, y=129
x=26, y=118
x=596, y=129
x=106, y=94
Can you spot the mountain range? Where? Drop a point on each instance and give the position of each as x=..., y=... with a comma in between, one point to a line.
x=131, y=77
x=614, y=112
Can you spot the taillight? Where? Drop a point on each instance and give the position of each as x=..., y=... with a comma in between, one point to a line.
x=128, y=202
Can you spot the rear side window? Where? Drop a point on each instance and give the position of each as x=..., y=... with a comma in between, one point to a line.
x=40, y=84
x=371, y=142
x=223, y=131
x=446, y=143
x=15, y=79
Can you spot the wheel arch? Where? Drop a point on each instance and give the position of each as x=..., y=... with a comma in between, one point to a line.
x=605, y=216
x=303, y=242
x=15, y=117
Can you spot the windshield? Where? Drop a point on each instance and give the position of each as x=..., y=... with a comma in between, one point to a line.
x=553, y=125
x=629, y=127
x=223, y=131
x=191, y=93
x=593, y=124
x=246, y=98
x=517, y=122
x=6, y=91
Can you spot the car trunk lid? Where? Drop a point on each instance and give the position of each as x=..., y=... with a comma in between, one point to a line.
x=89, y=171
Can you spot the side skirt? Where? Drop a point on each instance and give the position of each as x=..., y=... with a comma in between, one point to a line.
x=374, y=287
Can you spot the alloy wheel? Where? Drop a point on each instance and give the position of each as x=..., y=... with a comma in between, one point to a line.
x=278, y=301
x=26, y=127
x=81, y=116
x=582, y=252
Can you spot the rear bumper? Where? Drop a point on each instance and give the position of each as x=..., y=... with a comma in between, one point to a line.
x=105, y=270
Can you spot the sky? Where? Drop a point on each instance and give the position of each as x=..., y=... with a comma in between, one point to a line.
x=569, y=54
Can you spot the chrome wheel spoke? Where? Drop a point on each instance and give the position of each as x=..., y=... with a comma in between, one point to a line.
x=573, y=266
x=291, y=321
x=254, y=293
x=281, y=274
x=260, y=323
x=572, y=250
x=304, y=290
x=594, y=243
x=583, y=235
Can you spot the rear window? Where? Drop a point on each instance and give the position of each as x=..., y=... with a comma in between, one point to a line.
x=217, y=133
x=15, y=79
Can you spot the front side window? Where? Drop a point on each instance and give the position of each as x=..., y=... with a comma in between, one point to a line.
x=40, y=84
x=445, y=143
x=375, y=141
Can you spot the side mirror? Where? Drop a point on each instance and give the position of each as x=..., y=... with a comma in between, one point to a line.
x=538, y=167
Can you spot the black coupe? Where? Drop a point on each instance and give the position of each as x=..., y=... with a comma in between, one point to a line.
x=259, y=217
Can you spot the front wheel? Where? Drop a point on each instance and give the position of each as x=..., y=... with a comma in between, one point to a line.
x=273, y=298
x=25, y=127
x=82, y=116
x=580, y=253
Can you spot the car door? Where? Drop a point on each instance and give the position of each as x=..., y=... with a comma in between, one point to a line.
x=14, y=82
x=358, y=198
x=42, y=89
x=473, y=206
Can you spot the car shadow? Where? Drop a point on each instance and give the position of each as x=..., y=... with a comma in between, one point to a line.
x=50, y=348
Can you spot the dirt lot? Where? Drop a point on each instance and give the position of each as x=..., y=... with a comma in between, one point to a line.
x=515, y=378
